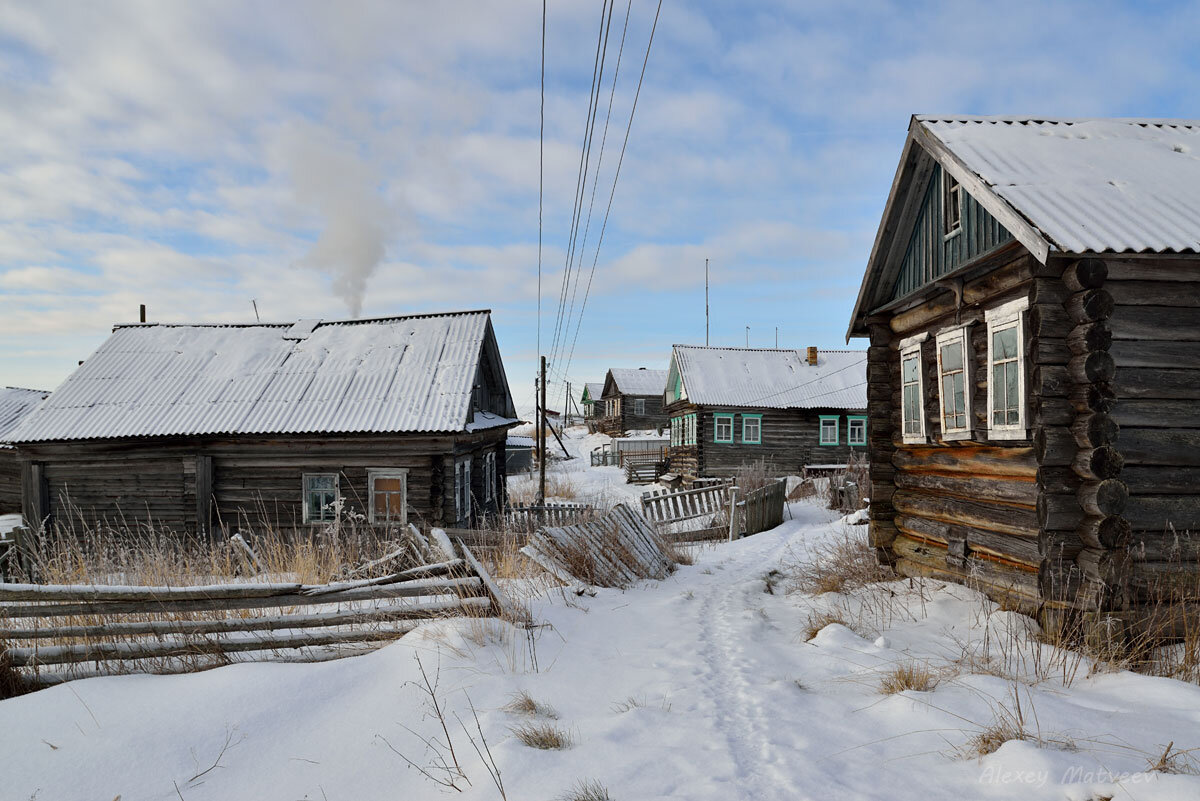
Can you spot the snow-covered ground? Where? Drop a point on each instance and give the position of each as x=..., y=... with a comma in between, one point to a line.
x=702, y=686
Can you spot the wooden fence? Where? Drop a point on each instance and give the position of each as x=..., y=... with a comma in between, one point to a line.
x=612, y=551
x=528, y=518
x=108, y=626
x=643, y=468
x=709, y=507
x=762, y=508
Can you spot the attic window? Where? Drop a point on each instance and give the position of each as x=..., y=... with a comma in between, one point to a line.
x=951, y=204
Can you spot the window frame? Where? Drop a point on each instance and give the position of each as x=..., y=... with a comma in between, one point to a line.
x=758, y=419
x=489, y=477
x=851, y=419
x=690, y=428
x=837, y=430
x=911, y=346
x=960, y=334
x=386, y=472
x=639, y=407
x=1000, y=318
x=462, y=488
x=717, y=418
x=304, y=490
x=952, y=198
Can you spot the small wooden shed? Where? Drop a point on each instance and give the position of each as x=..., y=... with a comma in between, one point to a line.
x=632, y=399
x=15, y=404
x=1033, y=306
x=792, y=409
x=275, y=427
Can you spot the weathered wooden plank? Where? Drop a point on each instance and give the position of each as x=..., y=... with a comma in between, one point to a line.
x=1161, y=512
x=1017, y=520
x=975, y=459
x=1021, y=549
x=1150, y=293
x=1157, y=383
x=1016, y=490
x=1147, y=323
x=1152, y=446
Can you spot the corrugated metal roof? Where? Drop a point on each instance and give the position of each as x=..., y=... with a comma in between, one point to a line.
x=400, y=374
x=594, y=390
x=1088, y=185
x=773, y=379
x=639, y=380
x=15, y=404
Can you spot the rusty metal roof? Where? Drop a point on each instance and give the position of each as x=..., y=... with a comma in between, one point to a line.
x=1088, y=185
x=398, y=374
x=766, y=378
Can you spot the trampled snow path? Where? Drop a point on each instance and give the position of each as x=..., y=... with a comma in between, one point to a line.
x=700, y=687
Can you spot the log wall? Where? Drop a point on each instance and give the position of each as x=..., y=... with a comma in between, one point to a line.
x=10, y=482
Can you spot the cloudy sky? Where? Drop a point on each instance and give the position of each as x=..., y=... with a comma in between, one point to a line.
x=365, y=159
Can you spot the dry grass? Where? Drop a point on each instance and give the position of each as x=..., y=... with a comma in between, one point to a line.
x=1014, y=720
x=522, y=703
x=545, y=736
x=850, y=488
x=11, y=682
x=755, y=475
x=587, y=790
x=909, y=676
x=838, y=565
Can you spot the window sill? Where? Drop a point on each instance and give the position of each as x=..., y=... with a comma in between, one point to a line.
x=955, y=436
x=910, y=439
x=1008, y=433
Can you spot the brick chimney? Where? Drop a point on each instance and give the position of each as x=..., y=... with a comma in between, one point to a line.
x=812, y=355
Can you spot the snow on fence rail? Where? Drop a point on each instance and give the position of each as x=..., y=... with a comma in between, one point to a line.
x=79, y=619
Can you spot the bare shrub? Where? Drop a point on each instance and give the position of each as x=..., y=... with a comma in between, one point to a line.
x=754, y=475
x=850, y=488
x=544, y=736
x=841, y=564
x=587, y=790
x=909, y=676
x=522, y=703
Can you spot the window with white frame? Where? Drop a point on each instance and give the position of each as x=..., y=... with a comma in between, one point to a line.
x=951, y=204
x=462, y=489
x=752, y=429
x=676, y=428
x=912, y=392
x=489, y=477
x=1006, y=370
x=856, y=430
x=722, y=428
x=954, y=382
x=639, y=406
x=389, y=496
x=320, y=497
x=830, y=433
x=689, y=429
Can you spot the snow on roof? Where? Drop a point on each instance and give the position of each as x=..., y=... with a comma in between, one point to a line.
x=15, y=404
x=1088, y=185
x=773, y=379
x=398, y=374
x=639, y=380
x=594, y=389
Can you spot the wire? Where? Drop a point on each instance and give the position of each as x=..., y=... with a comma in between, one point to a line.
x=812, y=381
x=616, y=176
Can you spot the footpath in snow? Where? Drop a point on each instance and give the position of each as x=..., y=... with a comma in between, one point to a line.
x=703, y=686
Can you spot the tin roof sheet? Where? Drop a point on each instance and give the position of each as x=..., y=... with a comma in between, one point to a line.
x=639, y=380
x=773, y=379
x=15, y=404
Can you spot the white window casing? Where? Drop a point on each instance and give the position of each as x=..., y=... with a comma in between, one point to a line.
x=321, y=493
x=489, y=477
x=912, y=390
x=639, y=406
x=388, y=495
x=462, y=489
x=954, y=383
x=1007, y=412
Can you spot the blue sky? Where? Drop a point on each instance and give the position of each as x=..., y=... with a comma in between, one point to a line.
x=362, y=158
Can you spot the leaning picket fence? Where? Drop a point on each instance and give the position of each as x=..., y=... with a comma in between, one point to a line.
x=57, y=633
x=704, y=512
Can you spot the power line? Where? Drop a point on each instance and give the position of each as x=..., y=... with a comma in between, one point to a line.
x=580, y=179
x=600, y=160
x=812, y=381
x=616, y=176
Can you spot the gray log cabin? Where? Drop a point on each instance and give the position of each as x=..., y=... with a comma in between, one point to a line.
x=15, y=404
x=633, y=401
x=1033, y=307
x=274, y=427
x=733, y=406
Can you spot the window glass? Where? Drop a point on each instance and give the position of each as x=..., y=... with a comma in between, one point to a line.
x=639, y=406
x=723, y=431
x=953, y=390
x=320, y=497
x=1005, y=378
x=829, y=431
x=856, y=431
x=911, y=394
x=752, y=429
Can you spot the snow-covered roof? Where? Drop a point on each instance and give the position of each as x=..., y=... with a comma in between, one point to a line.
x=772, y=379
x=387, y=375
x=15, y=404
x=1087, y=185
x=639, y=380
x=594, y=389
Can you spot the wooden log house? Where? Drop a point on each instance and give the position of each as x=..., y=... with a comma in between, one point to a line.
x=1032, y=302
x=733, y=406
x=590, y=402
x=15, y=404
x=280, y=427
x=633, y=401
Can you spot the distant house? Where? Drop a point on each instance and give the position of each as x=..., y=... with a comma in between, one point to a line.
x=632, y=401
x=15, y=404
x=590, y=400
x=1033, y=307
x=732, y=406
x=275, y=427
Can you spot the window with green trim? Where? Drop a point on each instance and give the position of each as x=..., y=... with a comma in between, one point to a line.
x=856, y=430
x=829, y=430
x=722, y=428
x=752, y=429
x=676, y=425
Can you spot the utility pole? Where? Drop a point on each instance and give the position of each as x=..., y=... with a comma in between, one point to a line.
x=706, y=303
x=567, y=406
x=776, y=337
x=542, y=438
x=747, y=336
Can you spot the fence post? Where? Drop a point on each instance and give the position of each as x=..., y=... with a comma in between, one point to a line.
x=733, y=490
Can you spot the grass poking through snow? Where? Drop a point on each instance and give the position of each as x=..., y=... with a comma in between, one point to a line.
x=587, y=790
x=545, y=736
x=909, y=676
x=522, y=703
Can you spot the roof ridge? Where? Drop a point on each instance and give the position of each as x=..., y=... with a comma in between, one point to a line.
x=321, y=324
x=1039, y=119
x=769, y=350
